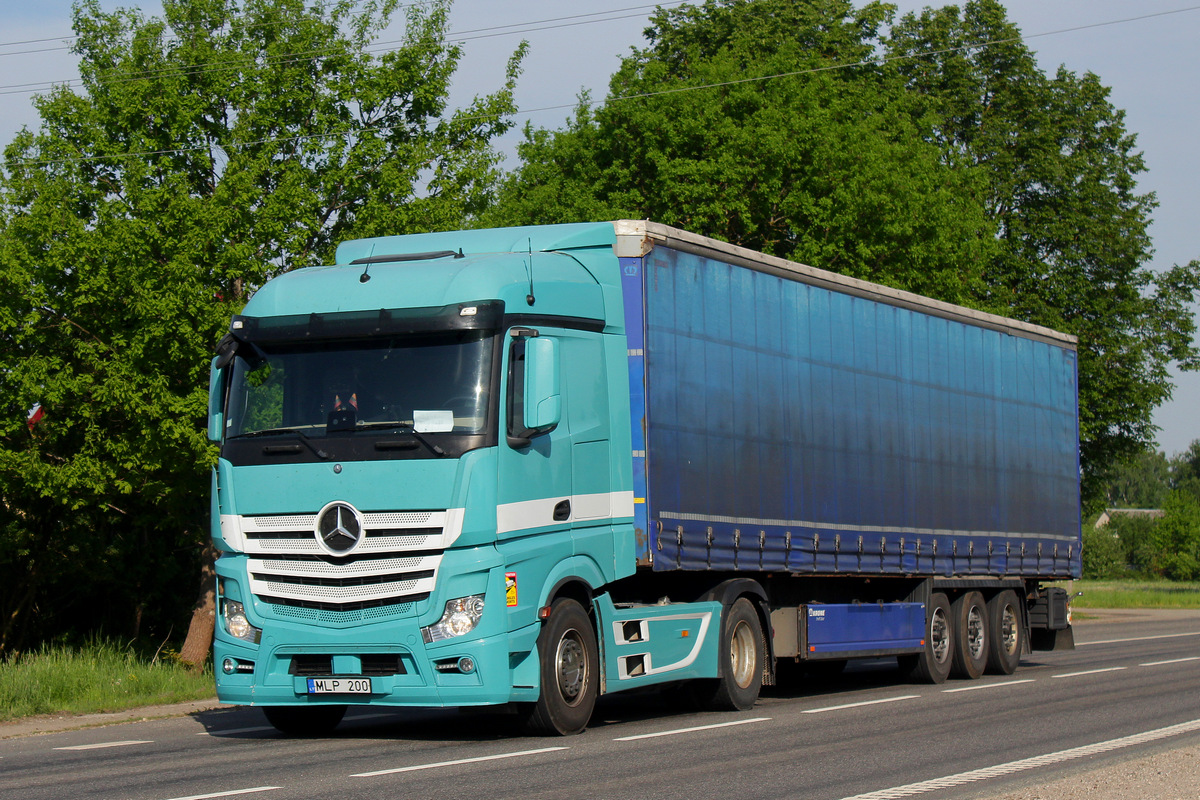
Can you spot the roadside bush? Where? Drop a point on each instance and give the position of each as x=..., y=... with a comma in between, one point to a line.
x=1103, y=556
x=1177, y=538
x=1136, y=539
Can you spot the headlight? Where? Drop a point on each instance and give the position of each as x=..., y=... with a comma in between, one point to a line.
x=460, y=618
x=236, y=623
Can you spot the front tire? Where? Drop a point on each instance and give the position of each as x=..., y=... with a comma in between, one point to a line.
x=304, y=720
x=742, y=655
x=570, y=672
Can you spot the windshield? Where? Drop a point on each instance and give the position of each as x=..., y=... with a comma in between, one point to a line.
x=431, y=383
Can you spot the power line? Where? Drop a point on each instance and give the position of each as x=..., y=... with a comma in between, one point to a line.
x=68, y=36
x=462, y=36
x=625, y=98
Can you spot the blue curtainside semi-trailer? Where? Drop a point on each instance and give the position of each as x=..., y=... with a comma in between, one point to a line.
x=529, y=466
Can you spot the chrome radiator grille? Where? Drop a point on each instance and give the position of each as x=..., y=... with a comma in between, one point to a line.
x=395, y=562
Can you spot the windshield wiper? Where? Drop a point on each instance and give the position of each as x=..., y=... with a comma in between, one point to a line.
x=406, y=427
x=304, y=438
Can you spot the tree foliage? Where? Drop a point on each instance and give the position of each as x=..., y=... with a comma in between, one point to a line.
x=1143, y=481
x=929, y=153
x=823, y=165
x=1061, y=170
x=1166, y=546
x=203, y=153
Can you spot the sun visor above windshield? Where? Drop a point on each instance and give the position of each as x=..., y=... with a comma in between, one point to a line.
x=484, y=315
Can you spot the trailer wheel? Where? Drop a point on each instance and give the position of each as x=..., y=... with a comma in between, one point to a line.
x=971, y=635
x=304, y=720
x=570, y=670
x=933, y=665
x=742, y=656
x=1007, y=633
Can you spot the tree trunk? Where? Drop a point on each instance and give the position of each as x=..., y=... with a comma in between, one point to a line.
x=200, y=631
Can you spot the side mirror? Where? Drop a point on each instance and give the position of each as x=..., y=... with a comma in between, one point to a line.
x=534, y=387
x=216, y=401
x=543, y=397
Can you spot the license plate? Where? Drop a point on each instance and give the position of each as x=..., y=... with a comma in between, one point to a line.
x=339, y=685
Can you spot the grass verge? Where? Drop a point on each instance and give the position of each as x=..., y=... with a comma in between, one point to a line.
x=1134, y=594
x=99, y=677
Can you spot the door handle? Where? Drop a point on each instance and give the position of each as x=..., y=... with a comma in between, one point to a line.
x=562, y=511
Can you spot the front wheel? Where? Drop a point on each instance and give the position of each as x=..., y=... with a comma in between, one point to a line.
x=570, y=672
x=742, y=656
x=304, y=720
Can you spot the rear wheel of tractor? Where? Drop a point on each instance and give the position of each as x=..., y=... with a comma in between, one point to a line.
x=1007, y=633
x=742, y=655
x=570, y=672
x=304, y=720
x=933, y=665
x=971, y=635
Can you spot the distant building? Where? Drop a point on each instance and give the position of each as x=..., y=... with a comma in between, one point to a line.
x=1109, y=513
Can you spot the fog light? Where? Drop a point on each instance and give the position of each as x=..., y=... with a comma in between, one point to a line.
x=466, y=665
x=229, y=666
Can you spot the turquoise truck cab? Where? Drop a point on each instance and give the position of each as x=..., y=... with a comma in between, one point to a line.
x=416, y=475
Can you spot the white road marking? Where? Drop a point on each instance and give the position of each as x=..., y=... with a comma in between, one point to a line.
x=457, y=762
x=1171, y=661
x=986, y=686
x=690, y=730
x=232, y=793
x=1088, y=672
x=1011, y=767
x=102, y=745
x=1137, y=639
x=864, y=703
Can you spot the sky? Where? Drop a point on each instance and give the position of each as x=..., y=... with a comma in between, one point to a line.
x=1151, y=64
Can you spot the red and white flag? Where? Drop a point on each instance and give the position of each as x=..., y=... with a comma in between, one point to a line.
x=35, y=415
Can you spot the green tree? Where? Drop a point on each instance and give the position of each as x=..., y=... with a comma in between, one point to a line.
x=1140, y=482
x=1136, y=535
x=822, y=165
x=1177, y=538
x=953, y=167
x=203, y=153
x=1103, y=556
x=1185, y=470
x=1061, y=189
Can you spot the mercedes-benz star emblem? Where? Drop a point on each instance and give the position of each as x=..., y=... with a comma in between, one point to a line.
x=339, y=528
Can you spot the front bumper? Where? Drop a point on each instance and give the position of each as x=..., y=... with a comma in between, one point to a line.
x=276, y=671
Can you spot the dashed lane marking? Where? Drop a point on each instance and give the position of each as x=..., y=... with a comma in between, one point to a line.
x=231, y=793
x=690, y=730
x=458, y=761
x=858, y=705
x=987, y=686
x=1088, y=672
x=1169, y=661
x=102, y=745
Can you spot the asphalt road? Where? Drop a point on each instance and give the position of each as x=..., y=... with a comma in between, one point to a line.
x=1132, y=687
